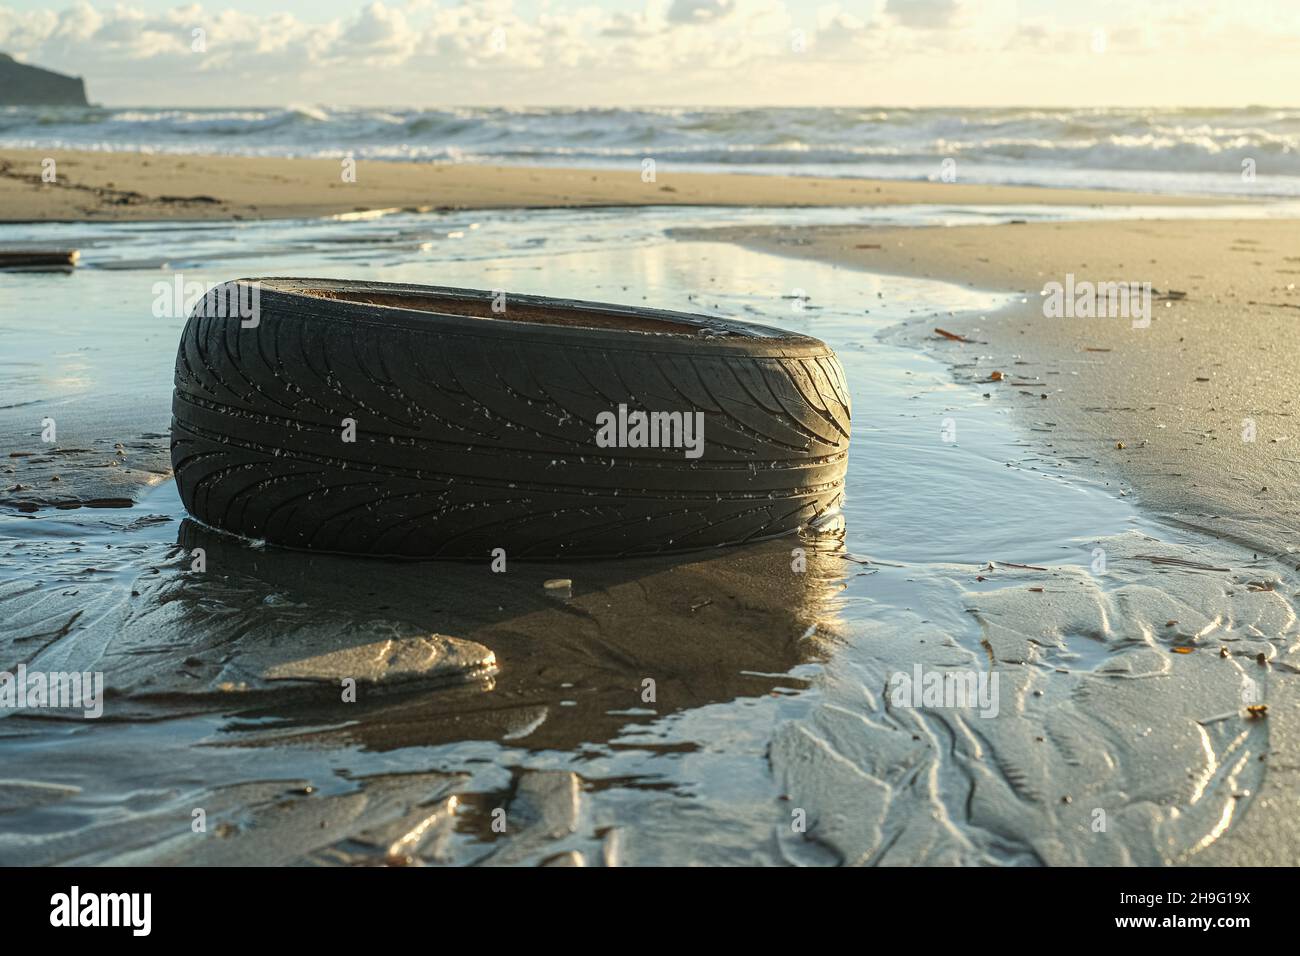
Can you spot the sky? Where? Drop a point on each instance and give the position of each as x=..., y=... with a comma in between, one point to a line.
x=667, y=52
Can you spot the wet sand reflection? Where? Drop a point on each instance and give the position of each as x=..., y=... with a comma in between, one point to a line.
x=527, y=664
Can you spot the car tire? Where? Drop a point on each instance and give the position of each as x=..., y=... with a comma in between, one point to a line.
x=473, y=422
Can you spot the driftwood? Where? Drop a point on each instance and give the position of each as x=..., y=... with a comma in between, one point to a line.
x=38, y=260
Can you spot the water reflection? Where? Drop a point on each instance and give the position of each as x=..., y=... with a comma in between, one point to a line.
x=526, y=666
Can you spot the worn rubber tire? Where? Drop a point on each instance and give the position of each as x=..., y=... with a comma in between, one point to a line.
x=476, y=433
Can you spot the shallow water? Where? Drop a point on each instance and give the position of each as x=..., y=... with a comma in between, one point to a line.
x=771, y=685
x=96, y=337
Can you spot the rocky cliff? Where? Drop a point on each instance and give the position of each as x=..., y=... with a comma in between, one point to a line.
x=22, y=85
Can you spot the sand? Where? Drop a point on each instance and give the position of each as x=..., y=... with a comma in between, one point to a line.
x=1107, y=749
x=142, y=187
x=1196, y=415
x=1099, y=714
x=1164, y=411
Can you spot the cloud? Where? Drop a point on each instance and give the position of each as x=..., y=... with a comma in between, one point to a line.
x=924, y=14
x=580, y=52
x=378, y=36
x=699, y=11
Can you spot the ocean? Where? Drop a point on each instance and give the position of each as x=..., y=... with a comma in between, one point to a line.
x=1252, y=151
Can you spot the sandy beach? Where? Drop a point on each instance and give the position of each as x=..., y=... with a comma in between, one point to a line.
x=682, y=435
x=139, y=187
x=1121, y=691
x=1195, y=413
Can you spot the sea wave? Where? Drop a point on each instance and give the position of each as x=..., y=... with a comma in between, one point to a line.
x=1156, y=149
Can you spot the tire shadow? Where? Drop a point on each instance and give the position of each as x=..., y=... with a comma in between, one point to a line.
x=540, y=668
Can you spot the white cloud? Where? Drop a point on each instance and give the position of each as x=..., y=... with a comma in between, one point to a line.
x=924, y=14
x=423, y=52
x=699, y=11
x=378, y=37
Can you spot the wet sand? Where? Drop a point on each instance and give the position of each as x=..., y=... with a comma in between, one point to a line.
x=149, y=187
x=1195, y=416
x=443, y=655
x=1121, y=692
x=1199, y=414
